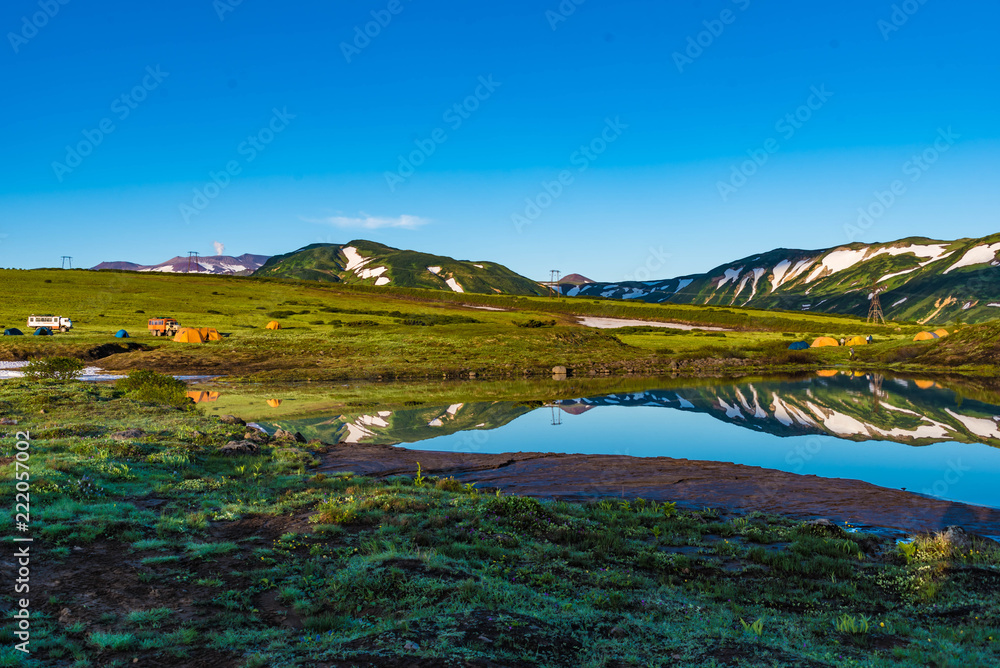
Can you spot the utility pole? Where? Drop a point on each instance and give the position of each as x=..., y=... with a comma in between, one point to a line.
x=554, y=281
x=193, y=256
x=65, y=259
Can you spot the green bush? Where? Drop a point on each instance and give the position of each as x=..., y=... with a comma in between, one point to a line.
x=154, y=388
x=56, y=368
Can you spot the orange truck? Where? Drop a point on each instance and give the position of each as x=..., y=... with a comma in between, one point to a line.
x=163, y=326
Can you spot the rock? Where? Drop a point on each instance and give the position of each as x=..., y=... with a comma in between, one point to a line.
x=411, y=646
x=127, y=434
x=485, y=639
x=43, y=411
x=283, y=435
x=7, y=421
x=560, y=370
x=237, y=448
x=963, y=541
x=617, y=632
x=230, y=419
x=64, y=616
x=824, y=527
x=256, y=436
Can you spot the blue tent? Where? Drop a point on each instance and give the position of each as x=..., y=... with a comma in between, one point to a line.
x=799, y=345
x=43, y=331
x=13, y=331
x=121, y=334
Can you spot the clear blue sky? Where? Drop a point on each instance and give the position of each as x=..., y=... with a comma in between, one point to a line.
x=221, y=70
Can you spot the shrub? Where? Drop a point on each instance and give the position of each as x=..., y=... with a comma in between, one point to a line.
x=534, y=324
x=56, y=368
x=154, y=388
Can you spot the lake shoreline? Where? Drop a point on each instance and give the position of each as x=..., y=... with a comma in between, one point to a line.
x=691, y=483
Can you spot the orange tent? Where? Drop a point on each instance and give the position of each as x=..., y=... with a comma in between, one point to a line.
x=201, y=397
x=824, y=341
x=274, y=403
x=189, y=335
x=210, y=334
x=926, y=336
x=926, y=384
x=827, y=373
x=274, y=324
x=941, y=333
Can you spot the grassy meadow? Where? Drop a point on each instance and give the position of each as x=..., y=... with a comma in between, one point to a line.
x=153, y=548
x=342, y=332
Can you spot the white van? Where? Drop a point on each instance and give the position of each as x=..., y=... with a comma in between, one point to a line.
x=53, y=322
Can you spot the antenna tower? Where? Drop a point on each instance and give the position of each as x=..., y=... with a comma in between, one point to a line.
x=875, y=310
x=193, y=258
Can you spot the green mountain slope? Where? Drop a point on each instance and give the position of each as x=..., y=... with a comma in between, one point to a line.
x=928, y=281
x=370, y=263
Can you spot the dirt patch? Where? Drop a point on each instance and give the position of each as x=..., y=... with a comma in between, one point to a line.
x=690, y=483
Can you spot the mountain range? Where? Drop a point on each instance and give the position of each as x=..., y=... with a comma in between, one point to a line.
x=370, y=263
x=919, y=279
x=243, y=265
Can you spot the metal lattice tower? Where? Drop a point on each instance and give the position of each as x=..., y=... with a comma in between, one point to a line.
x=65, y=259
x=875, y=310
x=554, y=281
x=193, y=256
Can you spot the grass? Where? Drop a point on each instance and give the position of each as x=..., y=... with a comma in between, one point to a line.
x=247, y=561
x=342, y=332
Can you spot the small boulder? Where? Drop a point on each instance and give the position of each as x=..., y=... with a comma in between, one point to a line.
x=411, y=646
x=238, y=448
x=284, y=435
x=127, y=434
x=256, y=436
x=230, y=419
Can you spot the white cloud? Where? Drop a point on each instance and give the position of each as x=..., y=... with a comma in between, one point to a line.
x=367, y=222
x=220, y=248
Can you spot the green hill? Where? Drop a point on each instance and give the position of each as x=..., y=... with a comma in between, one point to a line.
x=370, y=263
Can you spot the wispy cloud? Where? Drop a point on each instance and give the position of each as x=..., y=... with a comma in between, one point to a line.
x=364, y=221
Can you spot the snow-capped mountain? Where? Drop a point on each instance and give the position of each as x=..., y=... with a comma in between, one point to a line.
x=922, y=280
x=213, y=264
x=371, y=263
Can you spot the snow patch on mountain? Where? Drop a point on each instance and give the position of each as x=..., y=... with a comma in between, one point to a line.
x=978, y=255
x=434, y=270
x=730, y=275
x=454, y=285
x=354, y=258
x=383, y=280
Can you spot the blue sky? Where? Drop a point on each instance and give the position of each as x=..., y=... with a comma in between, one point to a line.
x=644, y=109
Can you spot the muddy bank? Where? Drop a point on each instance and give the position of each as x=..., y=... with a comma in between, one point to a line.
x=688, y=482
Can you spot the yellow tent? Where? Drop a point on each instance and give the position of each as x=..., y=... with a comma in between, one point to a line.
x=210, y=334
x=941, y=333
x=857, y=341
x=823, y=342
x=274, y=324
x=925, y=336
x=274, y=403
x=189, y=335
x=926, y=384
x=827, y=373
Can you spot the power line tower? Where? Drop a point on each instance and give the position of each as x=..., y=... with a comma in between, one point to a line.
x=554, y=281
x=876, y=387
x=193, y=257
x=875, y=310
x=556, y=416
x=65, y=259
